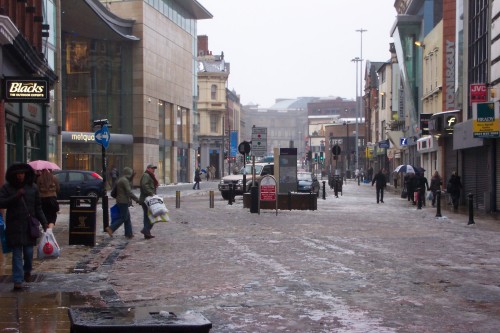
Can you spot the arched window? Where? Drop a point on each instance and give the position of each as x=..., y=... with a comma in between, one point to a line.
x=214, y=92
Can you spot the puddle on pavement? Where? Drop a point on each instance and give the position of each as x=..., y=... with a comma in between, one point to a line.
x=36, y=312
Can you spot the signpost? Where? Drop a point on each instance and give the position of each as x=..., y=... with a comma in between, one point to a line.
x=259, y=141
x=102, y=137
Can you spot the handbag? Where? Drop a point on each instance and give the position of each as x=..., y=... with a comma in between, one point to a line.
x=3, y=237
x=404, y=194
x=48, y=247
x=114, y=212
x=155, y=205
x=34, y=224
x=160, y=218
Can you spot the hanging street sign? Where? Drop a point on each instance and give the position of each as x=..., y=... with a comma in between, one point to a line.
x=259, y=141
x=485, y=122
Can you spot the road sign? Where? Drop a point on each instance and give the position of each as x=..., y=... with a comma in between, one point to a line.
x=103, y=136
x=244, y=148
x=336, y=150
x=259, y=141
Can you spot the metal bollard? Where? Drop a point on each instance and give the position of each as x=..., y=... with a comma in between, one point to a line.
x=211, y=199
x=438, y=204
x=254, y=206
x=324, y=190
x=177, y=199
x=231, y=195
x=289, y=200
x=471, y=209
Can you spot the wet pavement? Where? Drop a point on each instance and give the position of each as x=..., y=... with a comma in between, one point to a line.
x=351, y=266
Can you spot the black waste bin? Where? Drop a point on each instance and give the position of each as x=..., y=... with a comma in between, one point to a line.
x=82, y=220
x=136, y=319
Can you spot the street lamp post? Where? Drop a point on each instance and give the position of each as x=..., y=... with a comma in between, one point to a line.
x=360, y=59
x=356, y=60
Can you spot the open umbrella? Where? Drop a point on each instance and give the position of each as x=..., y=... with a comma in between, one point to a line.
x=406, y=168
x=41, y=164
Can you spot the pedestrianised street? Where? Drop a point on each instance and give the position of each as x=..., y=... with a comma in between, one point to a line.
x=351, y=266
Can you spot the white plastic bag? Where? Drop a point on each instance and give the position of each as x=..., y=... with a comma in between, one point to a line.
x=48, y=247
x=156, y=205
x=160, y=218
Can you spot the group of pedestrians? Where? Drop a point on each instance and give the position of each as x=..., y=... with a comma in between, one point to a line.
x=124, y=197
x=26, y=194
x=416, y=184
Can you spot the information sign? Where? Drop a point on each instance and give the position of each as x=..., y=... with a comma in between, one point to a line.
x=259, y=141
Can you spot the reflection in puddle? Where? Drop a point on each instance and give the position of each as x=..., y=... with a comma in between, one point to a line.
x=37, y=312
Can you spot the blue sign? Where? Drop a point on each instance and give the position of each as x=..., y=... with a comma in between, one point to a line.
x=403, y=142
x=384, y=144
x=233, y=150
x=103, y=136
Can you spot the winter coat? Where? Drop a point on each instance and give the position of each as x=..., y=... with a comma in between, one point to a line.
x=454, y=184
x=123, y=189
x=16, y=219
x=380, y=179
x=435, y=183
x=197, y=176
x=147, y=187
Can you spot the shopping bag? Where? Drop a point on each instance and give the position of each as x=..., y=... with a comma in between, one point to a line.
x=3, y=238
x=160, y=218
x=48, y=247
x=155, y=205
x=430, y=196
x=114, y=212
x=404, y=194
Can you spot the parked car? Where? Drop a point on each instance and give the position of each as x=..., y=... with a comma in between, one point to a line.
x=261, y=169
x=308, y=183
x=78, y=183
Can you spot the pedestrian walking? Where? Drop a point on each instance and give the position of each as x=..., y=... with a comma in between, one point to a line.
x=421, y=185
x=148, y=186
x=435, y=186
x=124, y=195
x=381, y=182
x=212, y=172
x=410, y=181
x=207, y=171
x=48, y=187
x=454, y=187
x=197, y=179
x=19, y=195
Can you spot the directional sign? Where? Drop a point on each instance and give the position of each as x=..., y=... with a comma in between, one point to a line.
x=103, y=136
x=259, y=141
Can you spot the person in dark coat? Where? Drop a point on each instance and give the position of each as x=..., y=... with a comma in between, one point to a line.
x=20, y=196
x=381, y=182
x=197, y=179
x=149, y=184
x=436, y=183
x=453, y=187
x=421, y=185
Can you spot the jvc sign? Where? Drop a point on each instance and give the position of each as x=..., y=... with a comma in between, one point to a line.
x=478, y=93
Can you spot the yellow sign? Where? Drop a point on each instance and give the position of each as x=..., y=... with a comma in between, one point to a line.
x=485, y=122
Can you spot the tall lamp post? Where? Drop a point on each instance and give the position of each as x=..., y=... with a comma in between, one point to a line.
x=360, y=59
x=356, y=60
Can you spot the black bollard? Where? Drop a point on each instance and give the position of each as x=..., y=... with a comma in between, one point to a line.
x=254, y=205
x=231, y=195
x=177, y=199
x=324, y=190
x=438, y=203
x=471, y=209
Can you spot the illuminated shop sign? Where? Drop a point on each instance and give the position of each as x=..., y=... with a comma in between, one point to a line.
x=88, y=137
x=26, y=90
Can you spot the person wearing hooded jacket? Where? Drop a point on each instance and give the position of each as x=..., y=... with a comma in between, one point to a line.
x=20, y=196
x=123, y=196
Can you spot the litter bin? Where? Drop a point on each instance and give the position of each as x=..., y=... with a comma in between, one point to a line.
x=82, y=220
x=136, y=319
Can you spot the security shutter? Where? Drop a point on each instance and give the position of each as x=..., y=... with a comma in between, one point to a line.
x=475, y=176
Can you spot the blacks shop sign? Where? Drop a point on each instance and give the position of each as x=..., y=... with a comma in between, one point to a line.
x=25, y=90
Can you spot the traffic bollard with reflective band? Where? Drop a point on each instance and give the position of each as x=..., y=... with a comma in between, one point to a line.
x=211, y=199
x=471, y=209
x=178, y=199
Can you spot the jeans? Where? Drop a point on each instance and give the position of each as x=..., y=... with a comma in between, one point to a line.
x=18, y=267
x=124, y=219
x=147, y=223
x=380, y=193
x=196, y=185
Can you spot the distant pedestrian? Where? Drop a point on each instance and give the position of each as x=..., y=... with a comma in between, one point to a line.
x=48, y=187
x=410, y=187
x=213, y=170
x=207, y=171
x=114, y=176
x=370, y=173
x=19, y=195
x=124, y=195
x=454, y=187
x=421, y=185
x=435, y=186
x=381, y=182
x=197, y=179
x=148, y=186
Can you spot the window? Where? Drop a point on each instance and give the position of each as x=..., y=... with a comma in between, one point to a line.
x=214, y=119
x=382, y=101
x=213, y=92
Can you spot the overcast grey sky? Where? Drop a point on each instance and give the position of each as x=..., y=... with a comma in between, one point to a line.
x=296, y=48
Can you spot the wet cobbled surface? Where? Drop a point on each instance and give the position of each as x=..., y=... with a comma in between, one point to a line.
x=352, y=265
